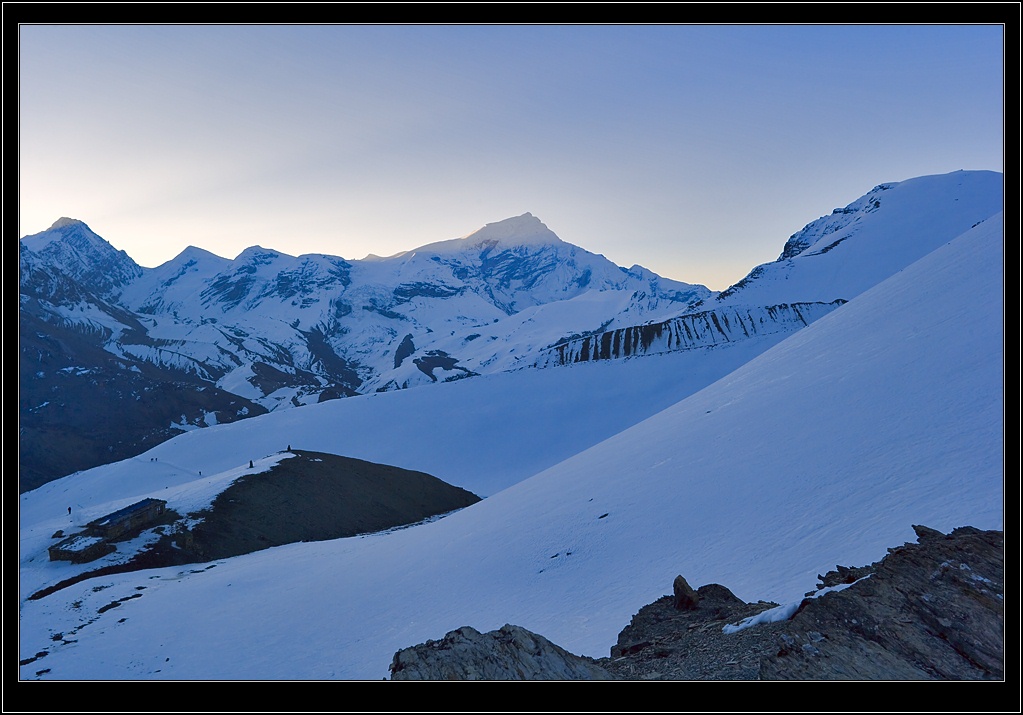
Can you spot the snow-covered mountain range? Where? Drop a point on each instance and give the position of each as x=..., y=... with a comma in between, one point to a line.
x=116, y=358
x=267, y=330
x=748, y=456
x=283, y=329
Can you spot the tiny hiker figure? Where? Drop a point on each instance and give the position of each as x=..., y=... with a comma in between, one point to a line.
x=250, y=464
x=69, y=511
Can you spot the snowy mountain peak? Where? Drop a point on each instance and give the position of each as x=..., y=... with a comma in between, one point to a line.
x=514, y=232
x=65, y=221
x=67, y=230
x=74, y=249
x=257, y=254
x=195, y=253
x=519, y=230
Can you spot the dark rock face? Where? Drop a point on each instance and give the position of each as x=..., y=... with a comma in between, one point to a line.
x=690, y=331
x=928, y=611
x=81, y=406
x=663, y=642
x=511, y=653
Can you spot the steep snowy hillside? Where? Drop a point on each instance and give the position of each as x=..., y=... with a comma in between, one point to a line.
x=825, y=449
x=469, y=433
x=841, y=255
x=692, y=331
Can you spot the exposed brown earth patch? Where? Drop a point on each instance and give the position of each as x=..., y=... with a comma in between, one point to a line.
x=315, y=496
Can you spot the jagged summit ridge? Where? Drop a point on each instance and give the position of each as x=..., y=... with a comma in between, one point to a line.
x=840, y=218
x=66, y=230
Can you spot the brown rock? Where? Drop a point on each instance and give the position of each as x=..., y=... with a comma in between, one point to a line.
x=686, y=599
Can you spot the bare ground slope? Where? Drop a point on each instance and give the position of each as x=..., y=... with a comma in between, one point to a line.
x=315, y=496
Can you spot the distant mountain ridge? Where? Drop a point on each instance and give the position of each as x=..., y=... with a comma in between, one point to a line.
x=220, y=340
x=343, y=321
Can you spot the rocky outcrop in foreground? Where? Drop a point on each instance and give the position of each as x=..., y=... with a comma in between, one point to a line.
x=928, y=611
x=511, y=653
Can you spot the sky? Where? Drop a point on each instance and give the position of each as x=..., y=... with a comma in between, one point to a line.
x=692, y=150
x=823, y=450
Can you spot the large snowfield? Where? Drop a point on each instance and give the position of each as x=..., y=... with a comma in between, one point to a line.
x=602, y=483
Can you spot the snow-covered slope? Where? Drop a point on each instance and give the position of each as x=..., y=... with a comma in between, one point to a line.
x=824, y=449
x=469, y=433
x=841, y=255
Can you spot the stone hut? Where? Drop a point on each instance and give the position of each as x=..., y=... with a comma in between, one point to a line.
x=80, y=548
x=94, y=542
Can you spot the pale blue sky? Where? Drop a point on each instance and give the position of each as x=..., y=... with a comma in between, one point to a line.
x=692, y=150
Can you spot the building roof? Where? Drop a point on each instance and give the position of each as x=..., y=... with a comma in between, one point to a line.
x=120, y=514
